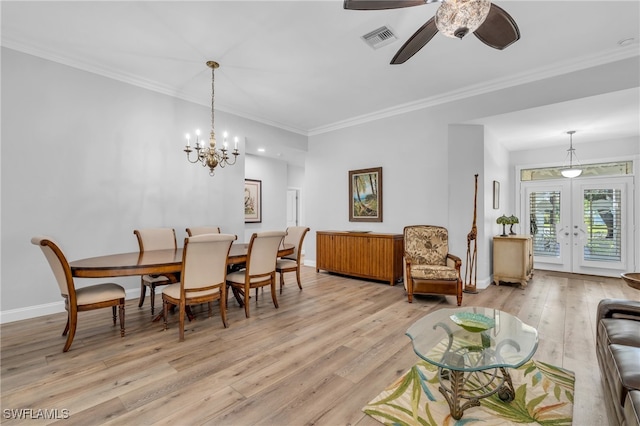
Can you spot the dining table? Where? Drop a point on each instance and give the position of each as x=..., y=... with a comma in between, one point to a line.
x=155, y=262
x=152, y=262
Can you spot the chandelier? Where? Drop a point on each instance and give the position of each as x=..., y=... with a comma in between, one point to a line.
x=211, y=156
x=457, y=18
x=571, y=170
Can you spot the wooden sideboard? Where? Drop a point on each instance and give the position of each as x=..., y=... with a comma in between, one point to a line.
x=360, y=254
x=512, y=259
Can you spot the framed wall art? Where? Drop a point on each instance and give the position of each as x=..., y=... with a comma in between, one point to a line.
x=365, y=195
x=496, y=195
x=252, y=201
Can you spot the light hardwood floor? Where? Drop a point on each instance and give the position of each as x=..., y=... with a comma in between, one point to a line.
x=318, y=359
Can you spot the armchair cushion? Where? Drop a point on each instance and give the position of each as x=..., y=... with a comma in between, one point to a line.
x=434, y=272
x=427, y=245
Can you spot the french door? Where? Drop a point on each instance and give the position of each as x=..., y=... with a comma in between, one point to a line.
x=581, y=225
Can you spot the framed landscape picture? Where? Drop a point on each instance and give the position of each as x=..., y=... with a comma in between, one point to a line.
x=252, y=201
x=365, y=195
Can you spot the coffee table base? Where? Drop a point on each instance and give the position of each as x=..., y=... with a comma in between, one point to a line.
x=472, y=387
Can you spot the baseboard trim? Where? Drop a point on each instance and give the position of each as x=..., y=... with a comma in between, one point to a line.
x=35, y=311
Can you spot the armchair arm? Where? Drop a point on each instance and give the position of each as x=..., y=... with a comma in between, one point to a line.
x=609, y=308
x=457, y=262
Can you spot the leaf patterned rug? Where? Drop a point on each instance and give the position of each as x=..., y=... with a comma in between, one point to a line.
x=544, y=396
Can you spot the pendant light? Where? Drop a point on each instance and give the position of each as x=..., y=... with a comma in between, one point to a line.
x=572, y=170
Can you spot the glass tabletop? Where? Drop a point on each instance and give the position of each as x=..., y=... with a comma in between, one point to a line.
x=473, y=339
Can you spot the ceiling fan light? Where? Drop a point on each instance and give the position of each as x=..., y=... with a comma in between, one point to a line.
x=571, y=173
x=457, y=18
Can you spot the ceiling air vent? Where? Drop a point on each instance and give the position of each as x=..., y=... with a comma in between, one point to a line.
x=380, y=37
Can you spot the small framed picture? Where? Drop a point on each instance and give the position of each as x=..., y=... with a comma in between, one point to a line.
x=365, y=195
x=252, y=201
x=496, y=195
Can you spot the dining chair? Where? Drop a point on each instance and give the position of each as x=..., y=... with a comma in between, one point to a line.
x=199, y=230
x=260, y=268
x=155, y=239
x=291, y=263
x=79, y=299
x=203, y=276
x=429, y=268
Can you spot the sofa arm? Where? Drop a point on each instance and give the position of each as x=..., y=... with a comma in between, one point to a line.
x=612, y=308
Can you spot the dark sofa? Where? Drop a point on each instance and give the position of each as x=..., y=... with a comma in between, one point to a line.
x=618, y=352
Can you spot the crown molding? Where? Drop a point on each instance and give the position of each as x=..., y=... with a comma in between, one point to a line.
x=540, y=73
x=536, y=74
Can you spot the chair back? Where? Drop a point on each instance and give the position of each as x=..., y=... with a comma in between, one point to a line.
x=156, y=238
x=59, y=265
x=295, y=235
x=199, y=230
x=263, y=252
x=204, y=261
x=426, y=244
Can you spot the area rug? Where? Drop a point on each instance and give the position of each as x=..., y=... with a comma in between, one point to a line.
x=544, y=396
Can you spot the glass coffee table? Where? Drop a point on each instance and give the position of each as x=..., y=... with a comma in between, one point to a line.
x=473, y=349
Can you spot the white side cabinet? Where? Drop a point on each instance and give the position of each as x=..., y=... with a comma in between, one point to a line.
x=512, y=259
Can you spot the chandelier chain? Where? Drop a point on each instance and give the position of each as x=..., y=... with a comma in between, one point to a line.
x=213, y=92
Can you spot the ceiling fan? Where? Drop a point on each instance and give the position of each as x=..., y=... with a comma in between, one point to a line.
x=454, y=18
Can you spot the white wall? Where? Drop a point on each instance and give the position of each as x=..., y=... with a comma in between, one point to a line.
x=273, y=174
x=86, y=159
x=422, y=182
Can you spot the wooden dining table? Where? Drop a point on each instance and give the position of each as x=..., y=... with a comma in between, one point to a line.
x=153, y=262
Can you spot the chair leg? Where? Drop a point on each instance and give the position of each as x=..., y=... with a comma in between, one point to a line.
x=182, y=313
x=281, y=281
x=152, y=295
x=72, y=321
x=298, y=277
x=273, y=291
x=246, y=301
x=121, y=309
x=165, y=312
x=113, y=310
x=143, y=292
x=223, y=305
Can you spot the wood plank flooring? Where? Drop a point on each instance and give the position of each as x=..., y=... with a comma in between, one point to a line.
x=318, y=359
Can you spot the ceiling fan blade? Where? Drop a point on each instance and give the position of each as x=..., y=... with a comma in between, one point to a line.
x=381, y=4
x=416, y=42
x=499, y=30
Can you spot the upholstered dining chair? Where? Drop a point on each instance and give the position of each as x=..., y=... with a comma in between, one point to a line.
x=199, y=230
x=155, y=239
x=429, y=267
x=291, y=263
x=203, y=276
x=79, y=299
x=260, y=268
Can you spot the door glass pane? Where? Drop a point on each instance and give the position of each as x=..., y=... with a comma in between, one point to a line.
x=544, y=211
x=602, y=209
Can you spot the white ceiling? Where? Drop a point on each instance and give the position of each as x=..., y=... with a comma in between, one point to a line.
x=302, y=66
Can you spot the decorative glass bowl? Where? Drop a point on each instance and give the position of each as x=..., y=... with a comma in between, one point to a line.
x=473, y=322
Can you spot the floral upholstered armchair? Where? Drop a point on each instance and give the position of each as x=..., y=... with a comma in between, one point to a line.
x=429, y=267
